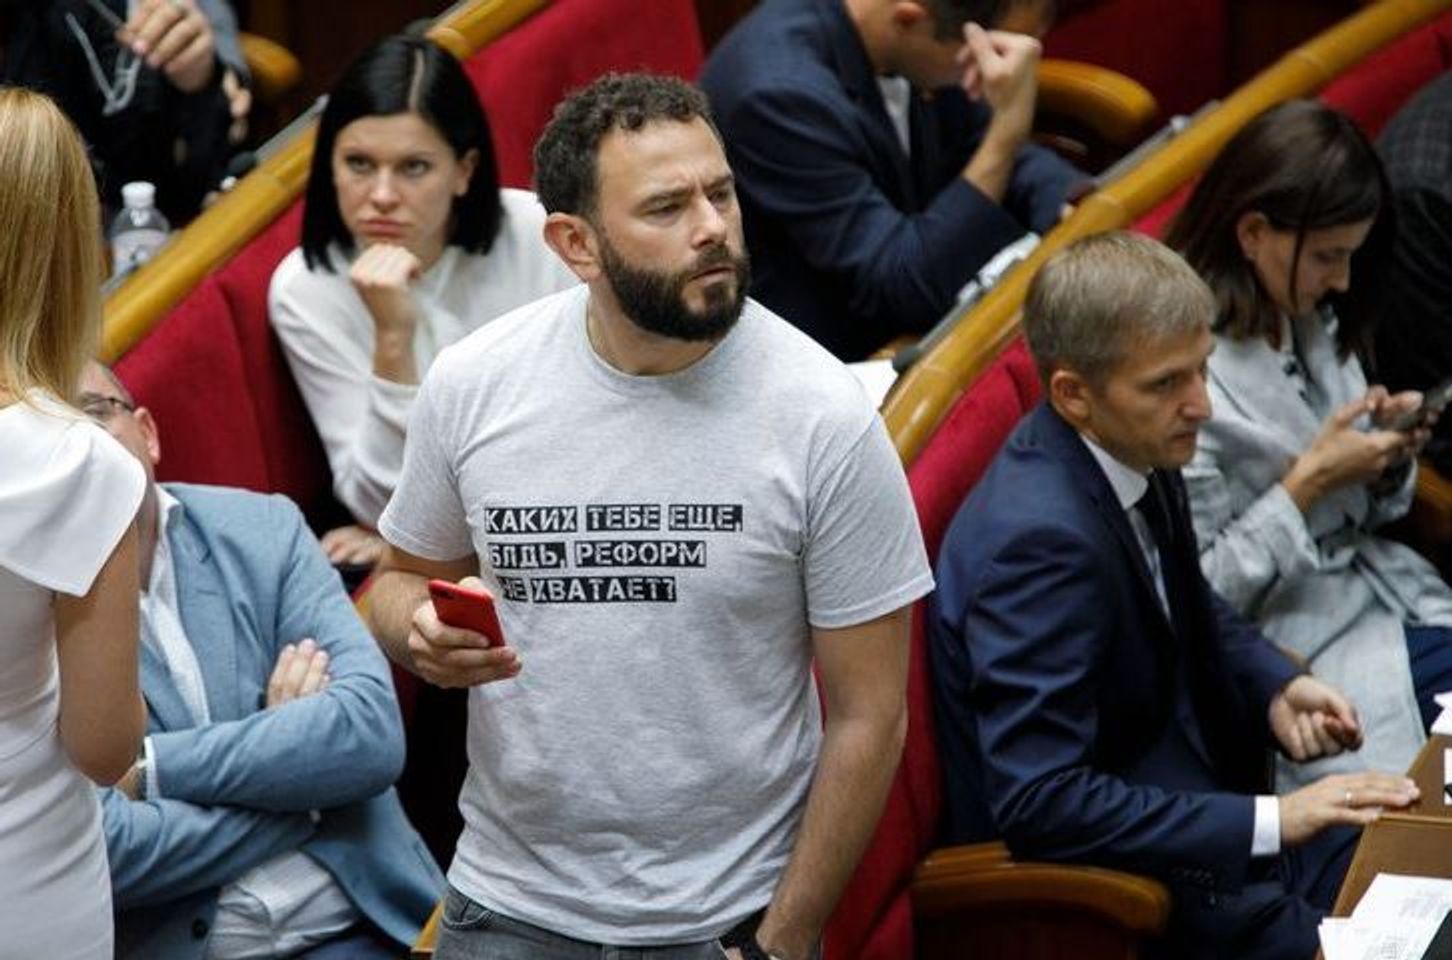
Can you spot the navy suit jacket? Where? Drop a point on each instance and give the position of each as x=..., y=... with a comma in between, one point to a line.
x=1077, y=722
x=850, y=239
x=239, y=791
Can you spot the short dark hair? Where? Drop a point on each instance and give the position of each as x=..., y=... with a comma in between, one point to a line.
x=1303, y=166
x=402, y=74
x=949, y=16
x=566, y=168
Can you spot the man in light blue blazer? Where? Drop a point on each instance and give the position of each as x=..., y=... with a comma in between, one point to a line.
x=260, y=819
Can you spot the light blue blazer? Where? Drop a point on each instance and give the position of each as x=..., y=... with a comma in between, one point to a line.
x=239, y=791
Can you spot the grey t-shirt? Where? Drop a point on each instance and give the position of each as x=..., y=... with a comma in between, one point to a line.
x=661, y=547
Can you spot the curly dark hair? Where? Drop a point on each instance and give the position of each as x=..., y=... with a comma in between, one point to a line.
x=565, y=158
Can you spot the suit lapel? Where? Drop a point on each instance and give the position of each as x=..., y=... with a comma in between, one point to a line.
x=206, y=617
x=860, y=81
x=160, y=692
x=1177, y=652
x=1251, y=377
x=1106, y=502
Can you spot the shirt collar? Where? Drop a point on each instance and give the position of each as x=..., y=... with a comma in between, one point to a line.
x=1129, y=484
x=168, y=510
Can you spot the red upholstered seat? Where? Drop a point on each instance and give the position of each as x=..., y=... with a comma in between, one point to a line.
x=523, y=74
x=1186, y=65
x=874, y=919
x=1375, y=89
x=214, y=376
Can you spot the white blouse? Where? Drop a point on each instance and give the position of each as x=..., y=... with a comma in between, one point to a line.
x=328, y=336
x=68, y=492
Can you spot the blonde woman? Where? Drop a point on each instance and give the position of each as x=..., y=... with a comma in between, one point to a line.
x=70, y=708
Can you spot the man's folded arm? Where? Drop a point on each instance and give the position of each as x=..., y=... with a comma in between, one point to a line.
x=339, y=745
x=162, y=850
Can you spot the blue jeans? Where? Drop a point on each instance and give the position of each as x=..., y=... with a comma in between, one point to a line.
x=471, y=931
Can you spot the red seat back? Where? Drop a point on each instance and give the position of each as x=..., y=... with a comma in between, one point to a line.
x=579, y=40
x=1112, y=33
x=873, y=920
x=1374, y=90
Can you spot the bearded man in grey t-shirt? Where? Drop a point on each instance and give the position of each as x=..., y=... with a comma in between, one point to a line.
x=680, y=503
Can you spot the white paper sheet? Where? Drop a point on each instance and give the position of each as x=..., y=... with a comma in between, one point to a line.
x=1396, y=920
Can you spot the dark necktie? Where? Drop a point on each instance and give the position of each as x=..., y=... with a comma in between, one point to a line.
x=1154, y=507
x=1153, y=510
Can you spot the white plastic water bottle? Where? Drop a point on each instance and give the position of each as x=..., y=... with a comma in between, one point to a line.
x=139, y=229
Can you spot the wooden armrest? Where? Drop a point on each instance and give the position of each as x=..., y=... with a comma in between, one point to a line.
x=1433, y=505
x=428, y=937
x=983, y=876
x=1118, y=109
x=275, y=70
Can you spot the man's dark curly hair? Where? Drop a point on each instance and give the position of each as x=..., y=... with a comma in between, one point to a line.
x=566, y=173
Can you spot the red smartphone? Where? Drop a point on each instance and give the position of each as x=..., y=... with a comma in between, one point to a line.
x=468, y=609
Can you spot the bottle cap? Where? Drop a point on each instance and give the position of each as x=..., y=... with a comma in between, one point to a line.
x=138, y=193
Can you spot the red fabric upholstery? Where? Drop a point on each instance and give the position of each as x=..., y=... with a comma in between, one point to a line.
x=1375, y=89
x=188, y=372
x=584, y=39
x=873, y=920
x=212, y=371
x=1371, y=92
x=1186, y=64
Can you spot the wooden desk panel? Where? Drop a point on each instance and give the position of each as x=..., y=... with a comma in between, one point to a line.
x=1417, y=841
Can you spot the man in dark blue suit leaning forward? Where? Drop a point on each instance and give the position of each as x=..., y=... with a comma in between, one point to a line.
x=1098, y=703
x=882, y=156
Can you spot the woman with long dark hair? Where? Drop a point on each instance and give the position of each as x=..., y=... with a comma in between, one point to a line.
x=408, y=244
x=1302, y=461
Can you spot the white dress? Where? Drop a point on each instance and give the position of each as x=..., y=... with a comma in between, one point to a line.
x=67, y=494
x=327, y=335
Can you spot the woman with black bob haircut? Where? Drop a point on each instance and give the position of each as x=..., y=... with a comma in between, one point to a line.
x=1301, y=461
x=408, y=245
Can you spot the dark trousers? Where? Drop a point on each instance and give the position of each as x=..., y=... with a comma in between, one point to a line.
x=1274, y=917
x=1430, y=651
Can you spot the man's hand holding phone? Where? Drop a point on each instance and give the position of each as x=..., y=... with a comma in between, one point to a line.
x=456, y=640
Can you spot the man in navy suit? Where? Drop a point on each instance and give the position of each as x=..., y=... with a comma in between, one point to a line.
x=260, y=819
x=881, y=155
x=1097, y=702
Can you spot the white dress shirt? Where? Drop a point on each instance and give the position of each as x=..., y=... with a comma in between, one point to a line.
x=897, y=95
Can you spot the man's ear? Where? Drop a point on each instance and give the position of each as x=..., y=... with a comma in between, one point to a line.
x=1069, y=395
x=146, y=423
x=1250, y=232
x=573, y=240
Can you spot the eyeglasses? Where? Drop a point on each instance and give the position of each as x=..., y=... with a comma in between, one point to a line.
x=102, y=409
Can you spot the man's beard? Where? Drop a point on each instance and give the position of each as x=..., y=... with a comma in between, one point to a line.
x=655, y=300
